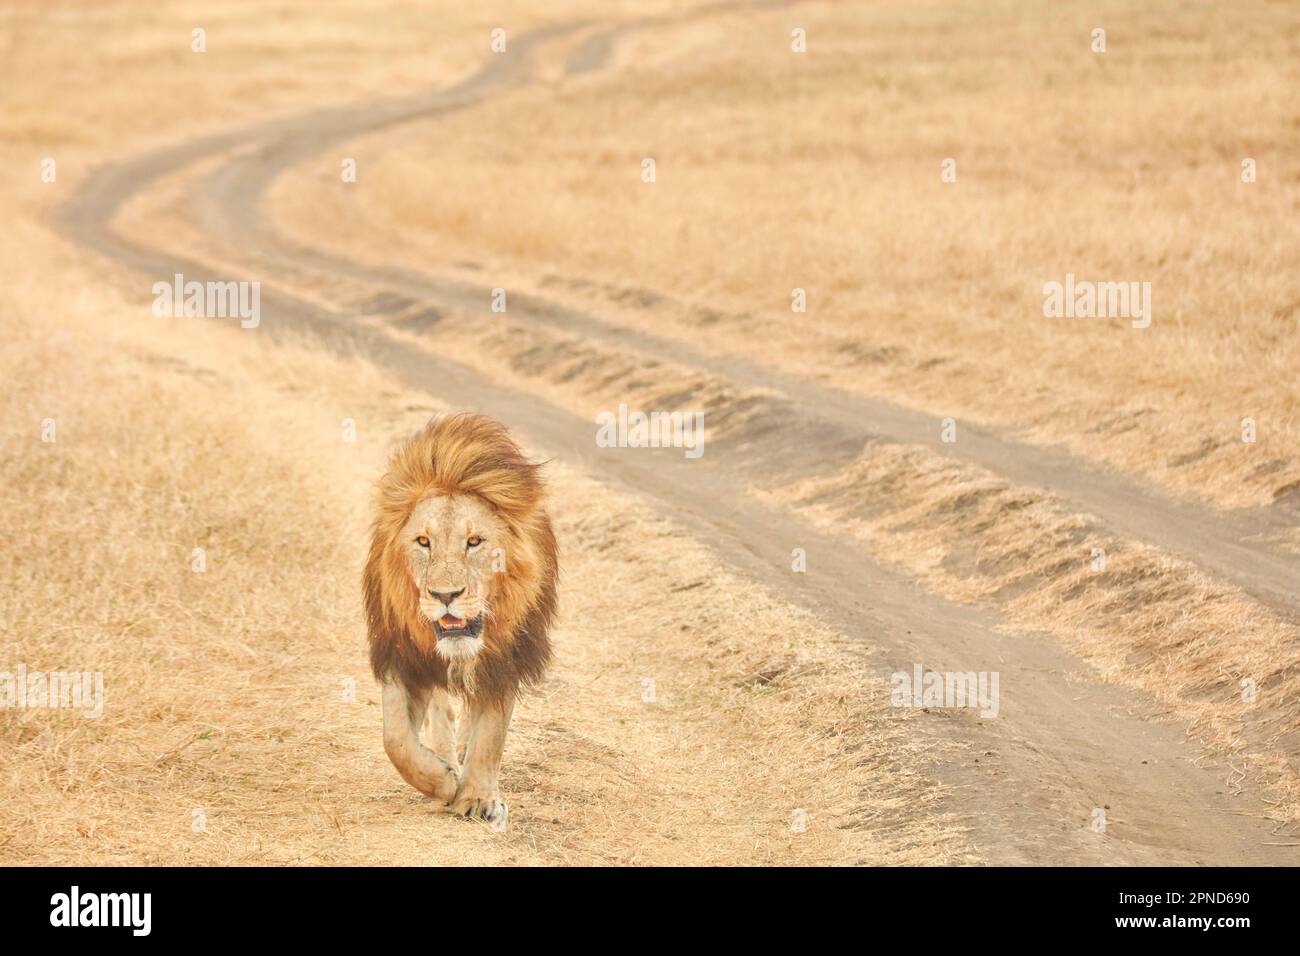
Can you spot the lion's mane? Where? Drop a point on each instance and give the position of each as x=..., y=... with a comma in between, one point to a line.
x=469, y=455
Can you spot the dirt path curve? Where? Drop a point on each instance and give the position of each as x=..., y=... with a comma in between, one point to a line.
x=1062, y=744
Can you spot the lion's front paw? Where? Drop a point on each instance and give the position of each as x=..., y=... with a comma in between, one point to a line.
x=487, y=807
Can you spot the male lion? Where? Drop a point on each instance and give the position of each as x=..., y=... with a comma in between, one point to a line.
x=460, y=592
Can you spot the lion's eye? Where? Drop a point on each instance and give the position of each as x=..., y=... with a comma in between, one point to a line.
x=422, y=541
x=474, y=541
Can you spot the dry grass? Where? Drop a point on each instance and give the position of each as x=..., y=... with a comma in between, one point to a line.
x=98, y=77
x=1145, y=620
x=1121, y=166
x=586, y=377
x=225, y=690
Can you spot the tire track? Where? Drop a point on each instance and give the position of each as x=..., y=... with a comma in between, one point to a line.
x=1059, y=748
x=1233, y=546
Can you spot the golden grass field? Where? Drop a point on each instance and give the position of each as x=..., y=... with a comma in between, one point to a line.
x=226, y=689
x=229, y=690
x=927, y=292
x=1120, y=166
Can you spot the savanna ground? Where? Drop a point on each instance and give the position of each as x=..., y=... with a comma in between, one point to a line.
x=695, y=711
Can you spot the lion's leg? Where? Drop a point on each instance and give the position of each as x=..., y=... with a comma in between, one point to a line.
x=478, y=795
x=463, y=727
x=419, y=766
x=441, y=721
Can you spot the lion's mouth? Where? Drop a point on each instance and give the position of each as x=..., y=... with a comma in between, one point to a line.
x=449, y=626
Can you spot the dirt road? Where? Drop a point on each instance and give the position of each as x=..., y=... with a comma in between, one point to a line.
x=1064, y=744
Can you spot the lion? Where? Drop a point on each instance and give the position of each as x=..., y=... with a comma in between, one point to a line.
x=460, y=595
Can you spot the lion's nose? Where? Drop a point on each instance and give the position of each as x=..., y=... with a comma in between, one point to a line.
x=446, y=597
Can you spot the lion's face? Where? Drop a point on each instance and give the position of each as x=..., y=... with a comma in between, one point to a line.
x=454, y=544
x=462, y=564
